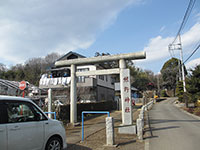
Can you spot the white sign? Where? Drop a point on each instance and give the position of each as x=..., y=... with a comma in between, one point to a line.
x=126, y=97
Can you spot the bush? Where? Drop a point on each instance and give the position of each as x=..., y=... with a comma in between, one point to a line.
x=163, y=93
x=179, y=91
x=197, y=111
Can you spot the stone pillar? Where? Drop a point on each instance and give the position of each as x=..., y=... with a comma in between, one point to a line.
x=110, y=140
x=139, y=129
x=73, y=96
x=125, y=89
x=49, y=102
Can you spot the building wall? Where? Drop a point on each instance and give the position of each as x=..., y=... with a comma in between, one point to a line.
x=105, y=81
x=105, y=94
x=92, y=82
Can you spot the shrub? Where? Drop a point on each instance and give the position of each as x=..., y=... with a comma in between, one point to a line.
x=163, y=93
x=197, y=111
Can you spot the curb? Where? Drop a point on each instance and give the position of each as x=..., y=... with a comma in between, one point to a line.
x=192, y=115
x=146, y=145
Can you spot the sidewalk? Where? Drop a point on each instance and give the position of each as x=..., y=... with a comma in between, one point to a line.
x=95, y=135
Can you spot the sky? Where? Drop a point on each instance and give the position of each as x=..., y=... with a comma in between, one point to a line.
x=35, y=28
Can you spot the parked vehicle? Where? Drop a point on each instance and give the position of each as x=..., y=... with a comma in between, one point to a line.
x=23, y=126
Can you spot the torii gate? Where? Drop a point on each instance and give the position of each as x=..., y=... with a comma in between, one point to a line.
x=124, y=80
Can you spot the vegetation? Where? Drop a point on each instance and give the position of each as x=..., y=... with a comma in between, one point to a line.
x=30, y=71
x=170, y=74
x=193, y=84
x=179, y=91
x=142, y=79
x=163, y=93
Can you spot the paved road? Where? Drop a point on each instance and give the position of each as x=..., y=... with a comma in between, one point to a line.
x=172, y=129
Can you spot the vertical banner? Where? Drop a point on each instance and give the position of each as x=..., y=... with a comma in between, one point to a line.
x=125, y=88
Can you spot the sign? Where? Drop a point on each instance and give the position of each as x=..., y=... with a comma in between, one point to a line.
x=126, y=97
x=22, y=85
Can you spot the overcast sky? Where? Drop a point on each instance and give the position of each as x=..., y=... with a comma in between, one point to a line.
x=35, y=28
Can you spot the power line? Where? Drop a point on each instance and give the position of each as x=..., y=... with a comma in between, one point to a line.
x=192, y=53
x=185, y=18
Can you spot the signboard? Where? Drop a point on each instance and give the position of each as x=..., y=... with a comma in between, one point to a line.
x=22, y=85
x=126, y=97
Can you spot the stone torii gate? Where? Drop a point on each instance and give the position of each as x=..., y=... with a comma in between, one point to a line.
x=125, y=87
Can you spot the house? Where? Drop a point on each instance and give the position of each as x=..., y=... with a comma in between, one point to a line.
x=134, y=95
x=12, y=88
x=9, y=87
x=89, y=88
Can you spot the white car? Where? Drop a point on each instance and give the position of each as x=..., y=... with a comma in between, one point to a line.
x=23, y=126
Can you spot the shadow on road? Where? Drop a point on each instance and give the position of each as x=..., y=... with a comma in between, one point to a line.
x=157, y=121
x=150, y=137
x=125, y=143
x=149, y=129
x=77, y=147
x=164, y=128
x=160, y=99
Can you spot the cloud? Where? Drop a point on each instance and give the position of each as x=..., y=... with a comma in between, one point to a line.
x=157, y=48
x=34, y=28
x=193, y=63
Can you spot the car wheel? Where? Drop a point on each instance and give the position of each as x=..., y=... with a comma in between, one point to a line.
x=54, y=144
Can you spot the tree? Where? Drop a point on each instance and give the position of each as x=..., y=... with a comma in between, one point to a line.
x=19, y=72
x=193, y=84
x=179, y=91
x=2, y=71
x=33, y=70
x=142, y=79
x=49, y=60
x=110, y=64
x=170, y=74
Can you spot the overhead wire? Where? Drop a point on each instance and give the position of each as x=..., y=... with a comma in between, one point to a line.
x=192, y=53
x=185, y=18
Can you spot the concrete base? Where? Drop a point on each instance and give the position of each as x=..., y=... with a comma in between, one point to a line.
x=127, y=129
x=110, y=145
x=74, y=124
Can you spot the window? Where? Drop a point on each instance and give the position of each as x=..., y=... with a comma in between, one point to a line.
x=23, y=112
x=3, y=114
x=81, y=79
x=106, y=78
x=101, y=77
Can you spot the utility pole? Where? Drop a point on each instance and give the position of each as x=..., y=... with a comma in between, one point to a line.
x=179, y=47
x=182, y=65
x=158, y=84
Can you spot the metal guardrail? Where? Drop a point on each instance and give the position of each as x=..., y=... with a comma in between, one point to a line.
x=91, y=112
x=51, y=113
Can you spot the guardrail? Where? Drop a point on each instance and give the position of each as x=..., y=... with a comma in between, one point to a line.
x=91, y=112
x=51, y=113
x=140, y=120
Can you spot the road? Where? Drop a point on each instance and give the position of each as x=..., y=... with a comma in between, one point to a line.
x=172, y=129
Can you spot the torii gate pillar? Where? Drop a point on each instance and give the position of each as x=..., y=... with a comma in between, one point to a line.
x=73, y=96
x=125, y=90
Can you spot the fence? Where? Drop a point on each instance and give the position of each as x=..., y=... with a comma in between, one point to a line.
x=54, y=113
x=91, y=112
x=140, y=120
